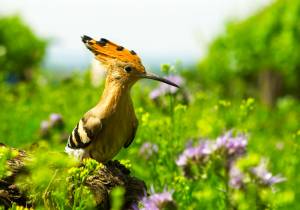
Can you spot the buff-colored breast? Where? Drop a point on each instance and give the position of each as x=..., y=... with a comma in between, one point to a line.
x=117, y=129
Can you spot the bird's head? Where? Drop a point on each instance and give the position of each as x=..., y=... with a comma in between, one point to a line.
x=122, y=64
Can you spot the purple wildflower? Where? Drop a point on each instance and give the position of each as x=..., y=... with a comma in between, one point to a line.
x=265, y=177
x=156, y=93
x=55, y=120
x=195, y=154
x=165, y=88
x=233, y=146
x=158, y=201
x=236, y=177
x=148, y=149
x=44, y=128
x=134, y=206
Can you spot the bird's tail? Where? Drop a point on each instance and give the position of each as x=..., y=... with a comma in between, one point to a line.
x=78, y=154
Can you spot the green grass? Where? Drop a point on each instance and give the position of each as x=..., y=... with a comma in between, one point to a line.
x=273, y=134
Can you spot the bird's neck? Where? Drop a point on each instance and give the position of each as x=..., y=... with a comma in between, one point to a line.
x=116, y=96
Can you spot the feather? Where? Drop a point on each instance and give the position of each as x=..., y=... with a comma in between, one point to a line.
x=105, y=50
x=84, y=132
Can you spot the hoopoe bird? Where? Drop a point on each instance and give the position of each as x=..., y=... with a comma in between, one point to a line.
x=111, y=124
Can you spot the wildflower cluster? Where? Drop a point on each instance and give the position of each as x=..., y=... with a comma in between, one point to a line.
x=80, y=193
x=233, y=147
x=263, y=176
x=198, y=155
x=55, y=121
x=157, y=201
x=228, y=149
x=236, y=178
x=89, y=167
x=147, y=150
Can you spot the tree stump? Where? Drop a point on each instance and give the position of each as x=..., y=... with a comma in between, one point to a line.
x=111, y=175
x=9, y=192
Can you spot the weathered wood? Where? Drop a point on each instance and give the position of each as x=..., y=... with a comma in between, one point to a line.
x=9, y=192
x=111, y=175
x=114, y=174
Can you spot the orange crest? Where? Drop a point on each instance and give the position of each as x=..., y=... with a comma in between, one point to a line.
x=105, y=50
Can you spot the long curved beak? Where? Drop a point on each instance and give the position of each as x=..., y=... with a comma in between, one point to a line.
x=158, y=78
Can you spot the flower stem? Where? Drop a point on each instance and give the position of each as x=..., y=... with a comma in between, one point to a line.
x=226, y=184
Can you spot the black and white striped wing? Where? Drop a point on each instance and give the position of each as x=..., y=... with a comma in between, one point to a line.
x=84, y=133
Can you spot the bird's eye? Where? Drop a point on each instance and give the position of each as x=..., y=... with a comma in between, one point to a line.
x=128, y=69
